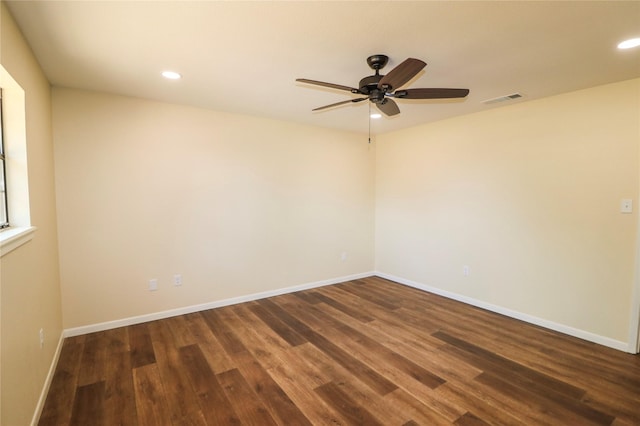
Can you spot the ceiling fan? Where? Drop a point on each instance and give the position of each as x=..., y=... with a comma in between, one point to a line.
x=380, y=89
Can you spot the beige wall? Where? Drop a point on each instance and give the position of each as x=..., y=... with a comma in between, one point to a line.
x=528, y=196
x=237, y=205
x=30, y=292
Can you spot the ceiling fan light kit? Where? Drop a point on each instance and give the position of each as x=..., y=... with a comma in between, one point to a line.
x=380, y=89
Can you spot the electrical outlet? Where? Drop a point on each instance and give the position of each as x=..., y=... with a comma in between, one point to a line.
x=343, y=256
x=177, y=280
x=41, y=334
x=465, y=270
x=626, y=205
x=153, y=284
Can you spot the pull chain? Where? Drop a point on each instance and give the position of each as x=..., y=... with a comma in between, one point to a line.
x=369, y=122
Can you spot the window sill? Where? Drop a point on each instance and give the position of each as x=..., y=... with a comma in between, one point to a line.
x=12, y=238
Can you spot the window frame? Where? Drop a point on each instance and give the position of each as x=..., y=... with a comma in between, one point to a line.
x=14, y=137
x=3, y=176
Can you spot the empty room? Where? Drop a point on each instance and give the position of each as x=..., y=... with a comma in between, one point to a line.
x=319, y=212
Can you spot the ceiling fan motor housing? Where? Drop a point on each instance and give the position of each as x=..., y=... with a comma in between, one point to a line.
x=369, y=84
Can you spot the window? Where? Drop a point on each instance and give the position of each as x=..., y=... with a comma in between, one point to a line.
x=15, y=216
x=4, y=208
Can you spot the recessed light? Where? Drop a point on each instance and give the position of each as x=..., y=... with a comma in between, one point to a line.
x=171, y=75
x=628, y=44
x=375, y=115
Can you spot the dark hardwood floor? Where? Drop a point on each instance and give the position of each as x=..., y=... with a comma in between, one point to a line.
x=366, y=352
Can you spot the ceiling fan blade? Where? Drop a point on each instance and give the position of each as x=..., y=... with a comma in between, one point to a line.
x=388, y=107
x=401, y=74
x=339, y=103
x=431, y=93
x=330, y=85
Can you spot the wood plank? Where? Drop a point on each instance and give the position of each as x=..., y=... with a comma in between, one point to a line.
x=489, y=361
x=349, y=409
x=433, y=412
x=567, y=410
x=265, y=345
x=117, y=340
x=354, y=312
x=361, y=290
x=390, y=294
x=284, y=331
x=364, y=373
x=281, y=407
x=314, y=318
x=331, y=372
x=302, y=394
x=393, y=359
x=215, y=405
x=474, y=397
x=221, y=331
x=179, y=326
x=141, y=346
x=93, y=362
x=390, y=334
x=87, y=406
x=309, y=297
x=119, y=398
x=375, y=353
x=245, y=402
x=419, y=327
x=181, y=398
x=195, y=418
x=609, y=400
x=62, y=392
x=309, y=373
x=213, y=351
x=151, y=402
x=487, y=402
x=470, y=419
x=270, y=351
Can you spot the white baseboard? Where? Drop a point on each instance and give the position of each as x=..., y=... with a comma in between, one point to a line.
x=581, y=334
x=77, y=331
x=47, y=382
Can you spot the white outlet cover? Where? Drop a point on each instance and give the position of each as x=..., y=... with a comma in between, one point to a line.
x=626, y=205
x=153, y=285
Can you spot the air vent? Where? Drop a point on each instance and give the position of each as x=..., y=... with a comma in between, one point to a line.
x=502, y=98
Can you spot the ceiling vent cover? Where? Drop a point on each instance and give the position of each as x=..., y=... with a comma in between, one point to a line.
x=502, y=98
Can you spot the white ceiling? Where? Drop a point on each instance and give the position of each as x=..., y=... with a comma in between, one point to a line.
x=244, y=57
